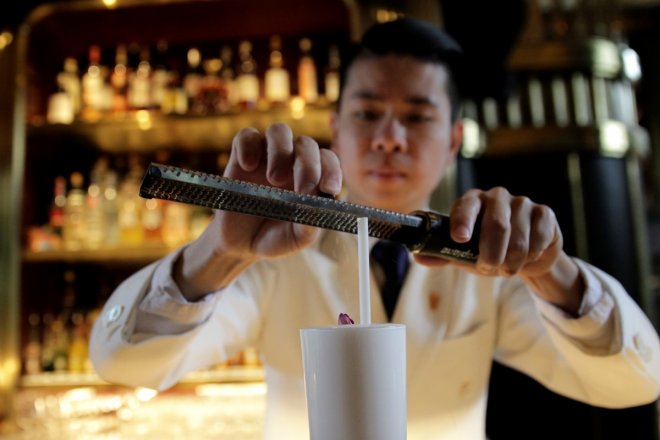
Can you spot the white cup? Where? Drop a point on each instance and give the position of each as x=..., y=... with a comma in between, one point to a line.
x=355, y=381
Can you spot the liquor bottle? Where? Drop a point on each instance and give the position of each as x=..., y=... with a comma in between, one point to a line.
x=60, y=107
x=64, y=105
x=48, y=343
x=69, y=298
x=69, y=81
x=60, y=341
x=92, y=86
x=332, y=75
x=139, y=85
x=248, y=83
x=152, y=220
x=229, y=76
x=74, y=229
x=161, y=75
x=56, y=212
x=32, y=352
x=277, y=85
x=94, y=211
x=176, y=224
x=212, y=96
x=119, y=81
x=110, y=208
x=131, y=232
x=77, y=352
x=192, y=80
x=175, y=99
x=307, y=82
x=62, y=324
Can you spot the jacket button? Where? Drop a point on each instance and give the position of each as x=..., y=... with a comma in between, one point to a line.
x=113, y=314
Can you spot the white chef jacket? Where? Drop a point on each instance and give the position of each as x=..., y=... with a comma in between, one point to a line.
x=456, y=323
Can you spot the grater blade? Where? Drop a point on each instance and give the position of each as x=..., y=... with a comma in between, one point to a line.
x=212, y=191
x=423, y=232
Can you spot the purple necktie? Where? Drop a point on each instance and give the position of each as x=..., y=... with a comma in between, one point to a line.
x=393, y=259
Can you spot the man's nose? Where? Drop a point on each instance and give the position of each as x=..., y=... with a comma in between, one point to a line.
x=390, y=136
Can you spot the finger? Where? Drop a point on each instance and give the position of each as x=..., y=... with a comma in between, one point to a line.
x=431, y=261
x=463, y=216
x=279, y=146
x=544, y=232
x=331, y=175
x=495, y=230
x=307, y=165
x=518, y=248
x=247, y=148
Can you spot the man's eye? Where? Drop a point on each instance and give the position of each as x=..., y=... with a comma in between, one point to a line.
x=366, y=115
x=418, y=118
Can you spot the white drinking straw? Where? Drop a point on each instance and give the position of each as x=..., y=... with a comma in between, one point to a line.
x=363, y=266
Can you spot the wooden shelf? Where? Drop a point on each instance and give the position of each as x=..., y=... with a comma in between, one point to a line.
x=129, y=255
x=238, y=374
x=612, y=139
x=151, y=131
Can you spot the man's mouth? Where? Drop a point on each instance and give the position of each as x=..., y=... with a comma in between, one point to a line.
x=386, y=173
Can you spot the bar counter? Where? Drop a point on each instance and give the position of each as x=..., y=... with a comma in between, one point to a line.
x=190, y=410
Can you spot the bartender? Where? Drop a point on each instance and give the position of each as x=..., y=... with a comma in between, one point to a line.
x=249, y=281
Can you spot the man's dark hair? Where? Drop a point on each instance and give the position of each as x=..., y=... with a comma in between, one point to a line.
x=416, y=38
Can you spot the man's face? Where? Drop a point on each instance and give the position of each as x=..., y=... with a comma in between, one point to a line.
x=393, y=132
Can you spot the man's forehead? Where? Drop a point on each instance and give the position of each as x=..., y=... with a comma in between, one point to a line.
x=411, y=79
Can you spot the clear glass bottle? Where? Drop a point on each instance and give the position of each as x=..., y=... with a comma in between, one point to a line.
x=139, y=86
x=176, y=224
x=119, y=80
x=307, y=81
x=212, y=96
x=276, y=80
x=74, y=231
x=175, y=98
x=111, y=208
x=77, y=352
x=69, y=81
x=228, y=76
x=60, y=345
x=94, y=210
x=47, y=343
x=332, y=75
x=131, y=231
x=248, y=82
x=93, y=86
x=192, y=80
x=56, y=211
x=161, y=75
x=32, y=351
x=64, y=105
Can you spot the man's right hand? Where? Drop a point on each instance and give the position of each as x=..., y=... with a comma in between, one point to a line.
x=234, y=241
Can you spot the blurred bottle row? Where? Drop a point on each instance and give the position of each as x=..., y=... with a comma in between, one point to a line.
x=213, y=81
x=58, y=337
x=103, y=210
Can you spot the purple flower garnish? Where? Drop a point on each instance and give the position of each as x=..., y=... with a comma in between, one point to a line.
x=345, y=319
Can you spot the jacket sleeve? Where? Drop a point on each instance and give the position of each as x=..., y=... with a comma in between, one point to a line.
x=621, y=371
x=144, y=337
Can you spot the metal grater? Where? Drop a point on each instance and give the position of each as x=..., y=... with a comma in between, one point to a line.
x=423, y=232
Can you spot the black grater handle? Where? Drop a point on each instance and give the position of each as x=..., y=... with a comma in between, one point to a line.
x=437, y=242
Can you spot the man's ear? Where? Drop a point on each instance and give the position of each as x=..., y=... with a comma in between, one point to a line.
x=456, y=139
